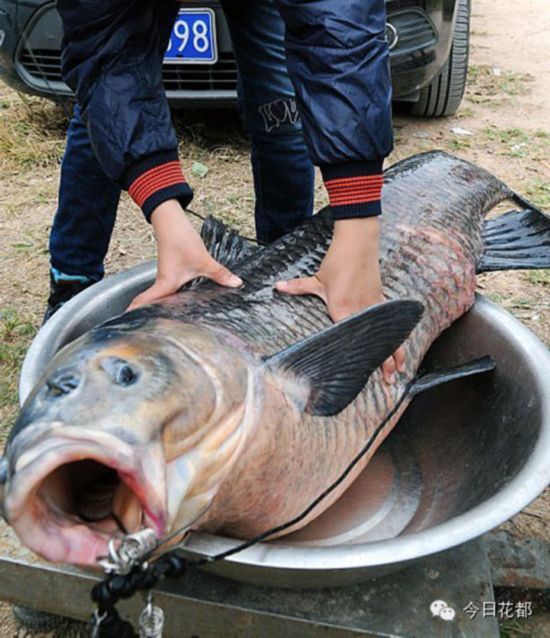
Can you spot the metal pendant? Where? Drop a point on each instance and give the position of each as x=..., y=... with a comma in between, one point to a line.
x=151, y=620
x=130, y=551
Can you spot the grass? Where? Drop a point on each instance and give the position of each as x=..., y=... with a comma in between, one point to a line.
x=32, y=241
x=538, y=191
x=465, y=112
x=32, y=133
x=16, y=333
x=518, y=143
x=459, y=143
x=484, y=83
x=508, y=301
x=539, y=277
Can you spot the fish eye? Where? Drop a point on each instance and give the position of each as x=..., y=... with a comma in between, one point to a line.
x=120, y=371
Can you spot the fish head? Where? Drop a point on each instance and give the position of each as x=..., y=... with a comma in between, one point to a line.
x=128, y=427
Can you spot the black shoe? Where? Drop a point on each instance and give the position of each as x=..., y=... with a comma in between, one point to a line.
x=61, y=290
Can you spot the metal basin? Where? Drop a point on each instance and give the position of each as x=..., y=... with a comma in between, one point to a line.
x=464, y=459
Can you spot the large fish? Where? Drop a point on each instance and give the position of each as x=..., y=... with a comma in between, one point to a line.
x=231, y=410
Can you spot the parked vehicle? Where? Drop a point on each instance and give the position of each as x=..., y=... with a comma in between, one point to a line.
x=428, y=38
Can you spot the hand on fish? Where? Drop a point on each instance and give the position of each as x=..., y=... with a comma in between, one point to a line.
x=182, y=256
x=348, y=279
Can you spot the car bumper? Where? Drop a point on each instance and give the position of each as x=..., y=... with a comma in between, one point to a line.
x=421, y=38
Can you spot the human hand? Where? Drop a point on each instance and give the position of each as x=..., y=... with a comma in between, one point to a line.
x=182, y=256
x=348, y=279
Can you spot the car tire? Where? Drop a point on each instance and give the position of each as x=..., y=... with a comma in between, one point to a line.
x=443, y=95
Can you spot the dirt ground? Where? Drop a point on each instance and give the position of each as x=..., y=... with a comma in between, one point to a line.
x=502, y=125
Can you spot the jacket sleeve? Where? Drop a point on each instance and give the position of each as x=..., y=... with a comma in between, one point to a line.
x=338, y=60
x=112, y=59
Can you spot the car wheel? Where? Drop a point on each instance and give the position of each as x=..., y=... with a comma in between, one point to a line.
x=444, y=94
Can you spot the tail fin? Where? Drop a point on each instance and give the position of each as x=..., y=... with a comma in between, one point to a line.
x=517, y=240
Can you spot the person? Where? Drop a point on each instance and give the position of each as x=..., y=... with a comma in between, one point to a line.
x=282, y=170
x=338, y=61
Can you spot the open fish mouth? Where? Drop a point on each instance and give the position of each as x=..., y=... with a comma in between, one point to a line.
x=67, y=496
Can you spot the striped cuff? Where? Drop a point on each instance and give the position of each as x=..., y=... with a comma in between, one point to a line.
x=156, y=179
x=354, y=189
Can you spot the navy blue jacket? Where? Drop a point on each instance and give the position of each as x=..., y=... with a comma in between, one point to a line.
x=338, y=60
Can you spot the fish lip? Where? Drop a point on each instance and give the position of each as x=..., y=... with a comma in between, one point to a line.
x=32, y=461
x=32, y=433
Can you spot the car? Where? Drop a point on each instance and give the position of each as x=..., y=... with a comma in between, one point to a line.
x=429, y=41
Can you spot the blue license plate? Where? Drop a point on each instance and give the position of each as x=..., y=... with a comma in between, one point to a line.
x=193, y=39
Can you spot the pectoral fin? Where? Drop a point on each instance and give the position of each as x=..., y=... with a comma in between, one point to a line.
x=338, y=361
x=434, y=379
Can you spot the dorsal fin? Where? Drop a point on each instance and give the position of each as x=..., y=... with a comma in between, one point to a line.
x=338, y=361
x=224, y=244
